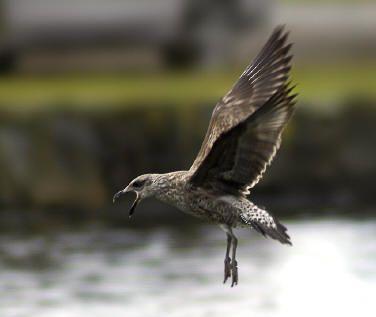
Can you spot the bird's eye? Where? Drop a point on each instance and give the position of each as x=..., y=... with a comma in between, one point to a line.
x=138, y=184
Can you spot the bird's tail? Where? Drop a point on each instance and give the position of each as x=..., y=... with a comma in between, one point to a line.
x=264, y=223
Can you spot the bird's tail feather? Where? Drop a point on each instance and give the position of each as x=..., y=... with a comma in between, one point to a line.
x=279, y=233
x=264, y=223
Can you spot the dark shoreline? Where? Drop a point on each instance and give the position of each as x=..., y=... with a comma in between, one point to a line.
x=66, y=165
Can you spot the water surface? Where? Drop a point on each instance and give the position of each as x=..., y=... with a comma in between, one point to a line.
x=330, y=271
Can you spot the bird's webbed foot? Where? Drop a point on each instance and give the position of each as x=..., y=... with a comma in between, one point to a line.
x=227, y=269
x=234, y=273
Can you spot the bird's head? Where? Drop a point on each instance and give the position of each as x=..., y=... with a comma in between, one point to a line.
x=143, y=186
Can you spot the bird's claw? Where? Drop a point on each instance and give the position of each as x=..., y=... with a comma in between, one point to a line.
x=234, y=273
x=227, y=269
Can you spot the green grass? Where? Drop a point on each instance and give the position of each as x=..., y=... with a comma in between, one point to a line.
x=316, y=83
x=332, y=83
x=113, y=90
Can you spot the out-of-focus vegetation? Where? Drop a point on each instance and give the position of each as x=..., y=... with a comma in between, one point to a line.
x=80, y=116
x=316, y=83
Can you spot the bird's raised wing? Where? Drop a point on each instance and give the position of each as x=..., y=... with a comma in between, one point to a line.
x=240, y=155
x=261, y=79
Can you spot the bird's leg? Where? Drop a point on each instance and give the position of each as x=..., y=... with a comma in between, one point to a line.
x=234, y=264
x=227, y=258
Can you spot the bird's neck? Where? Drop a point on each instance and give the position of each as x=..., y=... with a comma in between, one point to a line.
x=170, y=187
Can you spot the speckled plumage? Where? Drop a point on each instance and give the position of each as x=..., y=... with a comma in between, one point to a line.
x=235, y=211
x=243, y=137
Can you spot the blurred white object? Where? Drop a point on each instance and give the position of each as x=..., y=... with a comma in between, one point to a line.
x=177, y=29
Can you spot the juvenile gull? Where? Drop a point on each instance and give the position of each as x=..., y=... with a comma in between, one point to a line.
x=242, y=139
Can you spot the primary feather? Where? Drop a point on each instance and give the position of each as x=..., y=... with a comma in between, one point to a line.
x=246, y=124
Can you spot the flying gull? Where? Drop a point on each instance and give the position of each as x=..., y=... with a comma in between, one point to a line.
x=242, y=139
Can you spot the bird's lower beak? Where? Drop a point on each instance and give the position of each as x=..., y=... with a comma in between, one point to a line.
x=135, y=203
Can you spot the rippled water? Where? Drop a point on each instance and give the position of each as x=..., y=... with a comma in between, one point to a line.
x=330, y=271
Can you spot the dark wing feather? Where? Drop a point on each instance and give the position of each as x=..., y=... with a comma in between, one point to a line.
x=239, y=157
x=260, y=80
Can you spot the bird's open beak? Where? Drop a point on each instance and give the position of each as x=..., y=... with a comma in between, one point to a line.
x=135, y=203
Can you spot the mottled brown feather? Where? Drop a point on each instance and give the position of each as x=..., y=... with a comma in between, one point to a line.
x=267, y=73
x=239, y=157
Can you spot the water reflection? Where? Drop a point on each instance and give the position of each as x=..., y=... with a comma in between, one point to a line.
x=330, y=271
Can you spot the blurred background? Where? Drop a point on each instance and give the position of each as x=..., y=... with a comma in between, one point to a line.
x=94, y=93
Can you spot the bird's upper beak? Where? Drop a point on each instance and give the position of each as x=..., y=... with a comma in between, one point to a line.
x=120, y=193
x=135, y=203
